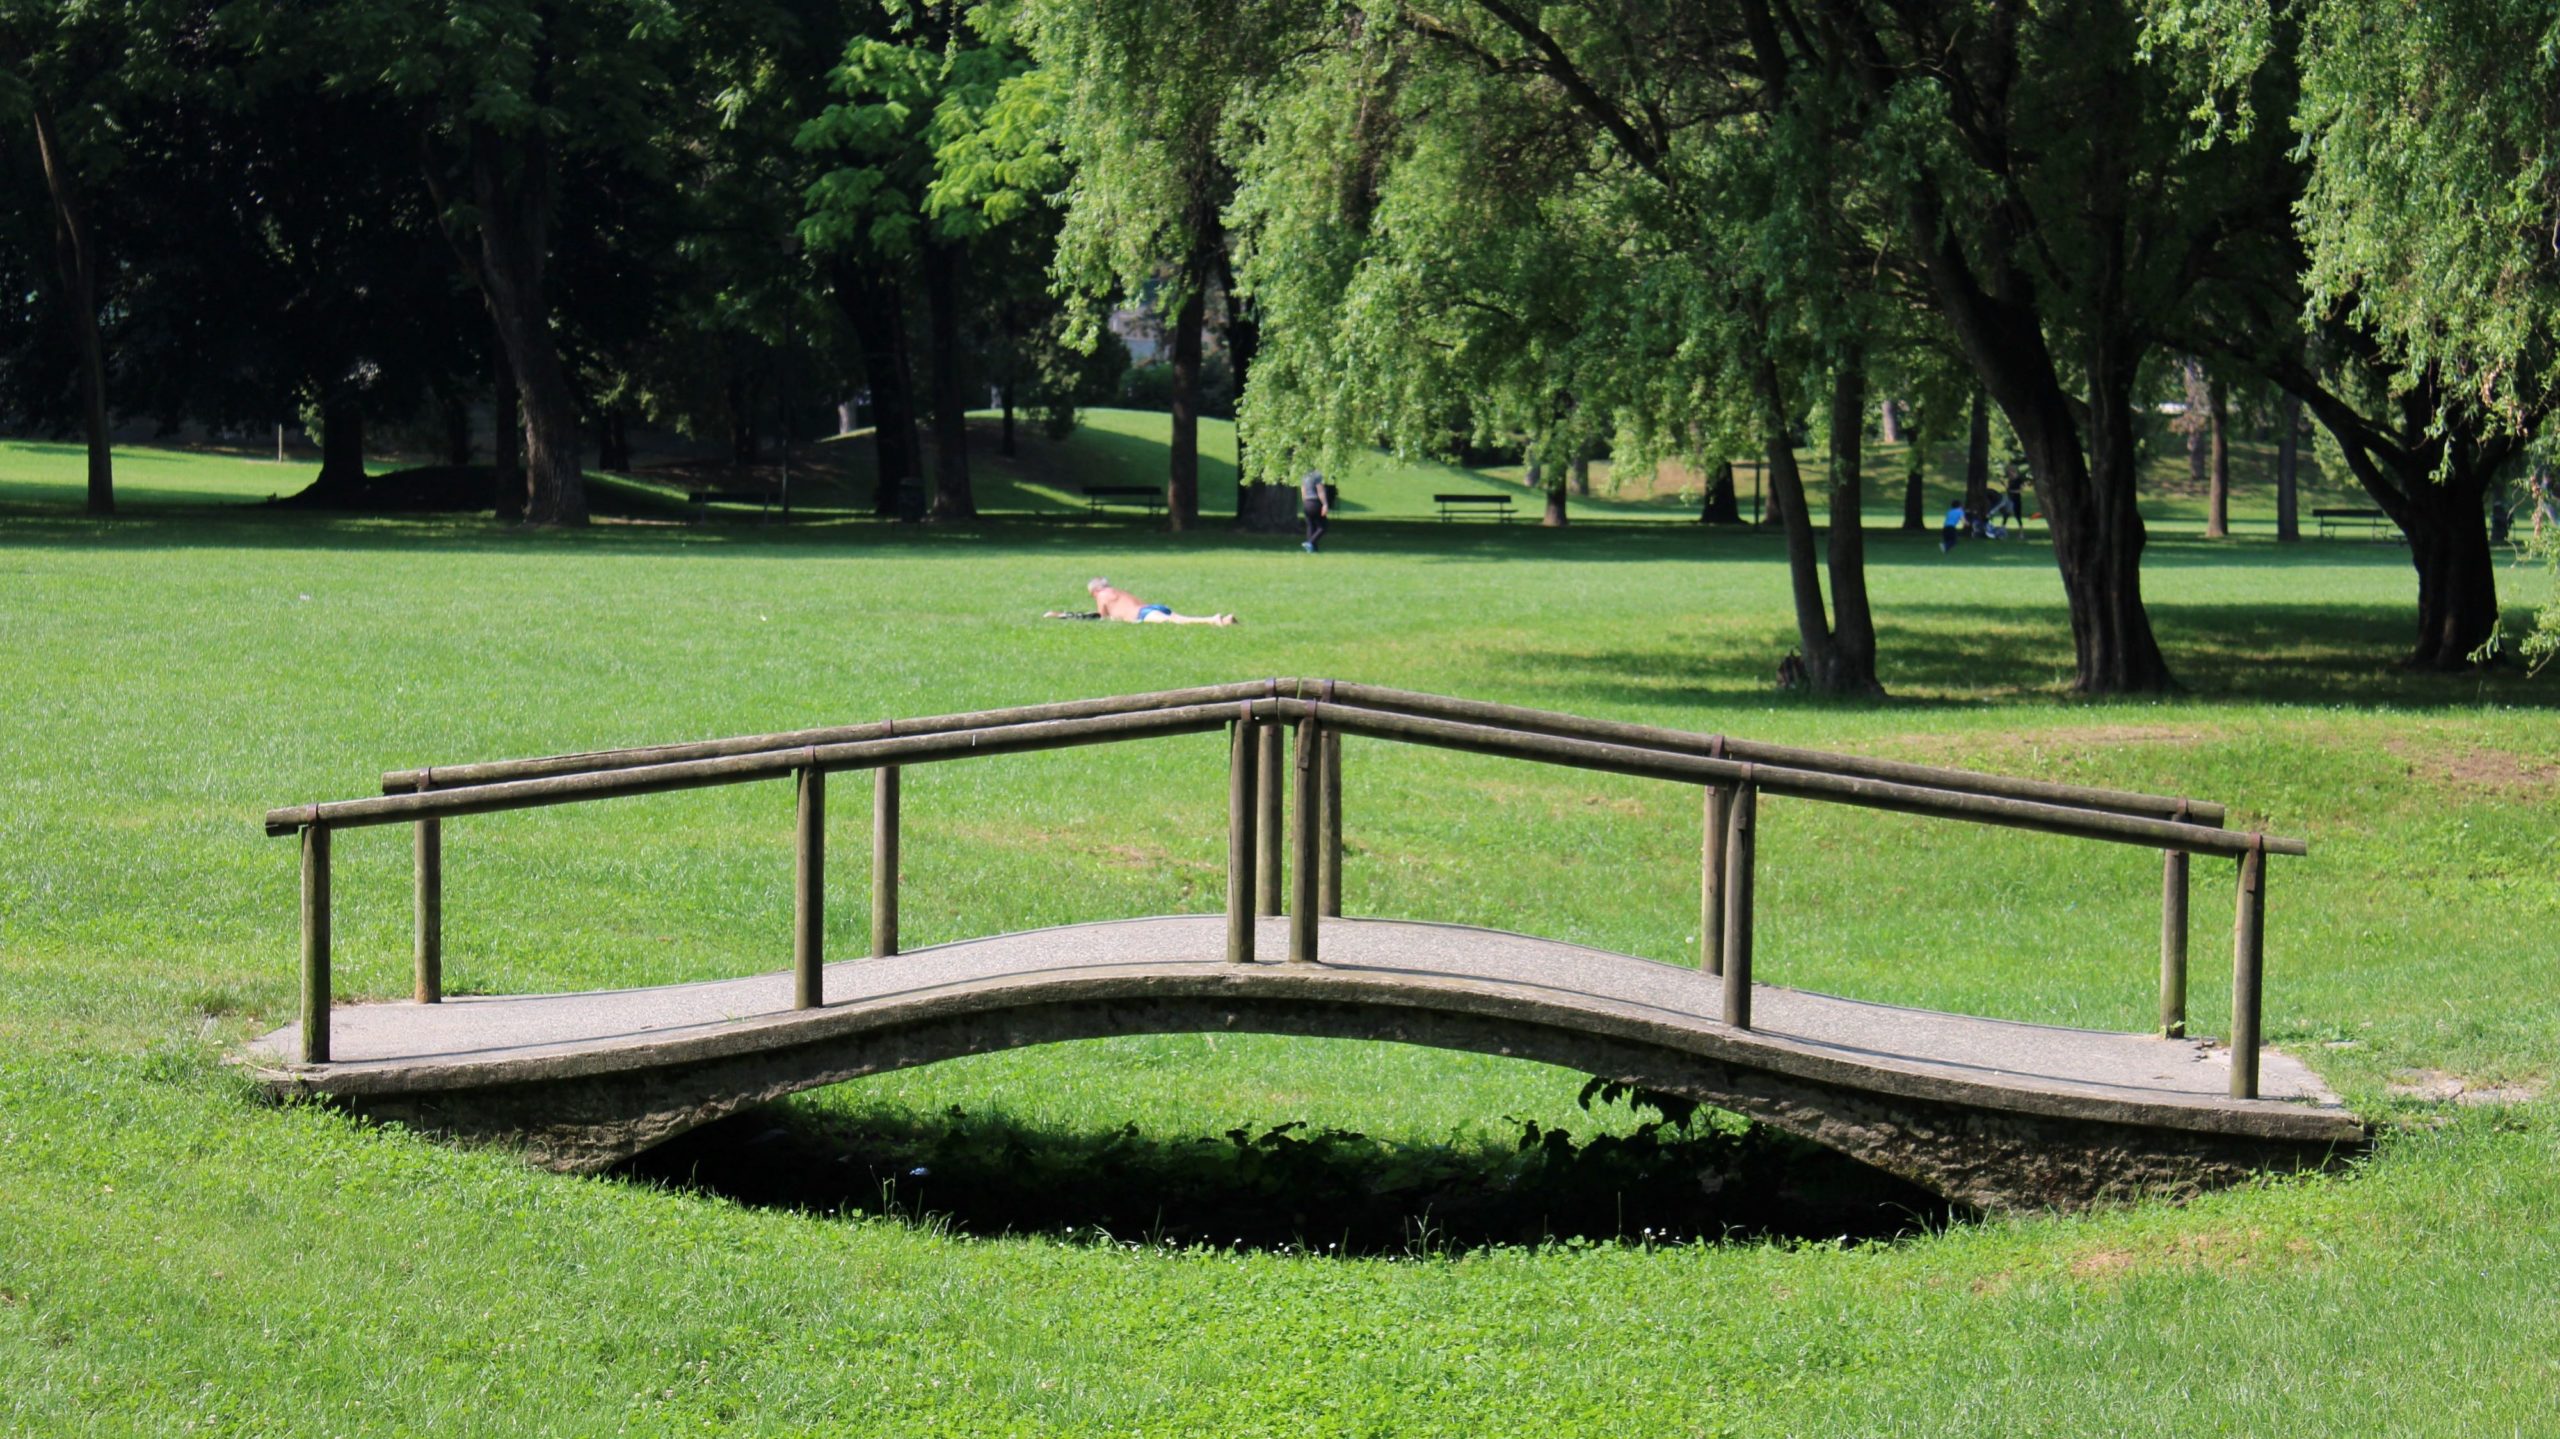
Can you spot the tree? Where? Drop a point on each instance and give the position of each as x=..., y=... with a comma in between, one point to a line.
x=288, y=258
x=2427, y=214
x=506, y=93
x=935, y=87
x=1552, y=238
x=2424, y=211
x=2054, y=199
x=1150, y=184
x=67, y=72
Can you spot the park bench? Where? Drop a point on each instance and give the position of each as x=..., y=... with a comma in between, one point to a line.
x=1454, y=506
x=1096, y=496
x=2372, y=520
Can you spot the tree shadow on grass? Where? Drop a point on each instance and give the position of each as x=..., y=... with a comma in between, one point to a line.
x=1940, y=655
x=1289, y=1187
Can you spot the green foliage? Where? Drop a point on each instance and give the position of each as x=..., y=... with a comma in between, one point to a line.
x=1142, y=93
x=2435, y=189
x=927, y=142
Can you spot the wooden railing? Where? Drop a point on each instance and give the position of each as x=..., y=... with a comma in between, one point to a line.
x=1731, y=774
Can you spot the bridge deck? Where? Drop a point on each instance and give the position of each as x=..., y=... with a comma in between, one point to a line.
x=1998, y=1063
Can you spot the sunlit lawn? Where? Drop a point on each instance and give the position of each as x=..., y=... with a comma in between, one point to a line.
x=180, y=1255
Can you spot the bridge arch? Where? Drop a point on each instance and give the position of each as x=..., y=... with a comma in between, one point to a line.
x=1988, y=1113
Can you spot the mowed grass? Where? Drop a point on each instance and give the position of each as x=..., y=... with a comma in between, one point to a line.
x=180, y=1257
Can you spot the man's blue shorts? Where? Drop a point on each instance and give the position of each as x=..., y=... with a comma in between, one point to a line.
x=1146, y=612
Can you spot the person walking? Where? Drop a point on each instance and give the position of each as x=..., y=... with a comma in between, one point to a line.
x=1316, y=505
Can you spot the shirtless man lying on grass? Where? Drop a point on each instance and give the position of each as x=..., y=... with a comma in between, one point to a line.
x=1113, y=603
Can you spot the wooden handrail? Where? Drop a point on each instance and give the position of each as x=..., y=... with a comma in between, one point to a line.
x=1777, y=779
x=1535, y=721
x=456, y=776
x=1733, y=773
x=2052, y=818
x=1570, y=726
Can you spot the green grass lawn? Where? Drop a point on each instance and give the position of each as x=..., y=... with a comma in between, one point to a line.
x=180, y=1258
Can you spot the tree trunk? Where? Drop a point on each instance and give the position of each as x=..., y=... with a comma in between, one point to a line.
x=2217, y=524
x=1182, y=477
x=2087, y=493
x=1787, y=502
x=2432, y=478
x=1720, y=505
x=341, y=443
x=952, y=497
x=511, y=183
x=1977, y=462
x=457, y=428
x=507, y=441
x=613, y=440
x=2098, y=534
x=1852, y=660
x=744, y=443
x=1915, y=500
x=2193, y=421
x=75, y=255
x=874, y=306
x=2288, y=468
x=1888, y=422
x=1555, y=517
x=1841, y=663
x=1004, y=446
x=2448, y=528
x=1580, y=470
x=1244, y=340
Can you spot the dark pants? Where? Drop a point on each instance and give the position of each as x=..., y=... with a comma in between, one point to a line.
x=1315, y=524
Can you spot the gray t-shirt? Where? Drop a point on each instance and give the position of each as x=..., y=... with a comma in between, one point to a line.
x=1311, y=487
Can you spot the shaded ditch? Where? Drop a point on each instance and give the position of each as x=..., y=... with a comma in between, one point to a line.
x=1682, y=1176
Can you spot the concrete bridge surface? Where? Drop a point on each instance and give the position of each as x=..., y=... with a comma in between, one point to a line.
x=1991, y=1113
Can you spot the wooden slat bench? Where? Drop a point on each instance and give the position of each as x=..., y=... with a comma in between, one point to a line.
x=1454, y=506
x=1096, y=496
x=2372, y=520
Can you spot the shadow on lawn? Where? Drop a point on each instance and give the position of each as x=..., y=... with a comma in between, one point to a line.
x=2323, y=654
x=1287, y=1187
x=657, y=523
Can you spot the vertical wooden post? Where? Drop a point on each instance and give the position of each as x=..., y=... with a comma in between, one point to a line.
x=1305, y=826
x=1269, y=770
x=2173, y=943
x=809, y=892
x=315, y=944
x=1718, y=804
x=428, y=906
x=1329, y=882
x=1740, y=834
x=1243, y=790
x=884, y=861
x=2248, y=957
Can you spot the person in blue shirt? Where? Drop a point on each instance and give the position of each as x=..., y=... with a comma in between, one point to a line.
x=1953, y=527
